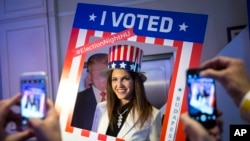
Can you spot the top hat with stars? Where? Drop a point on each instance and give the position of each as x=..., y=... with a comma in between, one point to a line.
x=126, y=57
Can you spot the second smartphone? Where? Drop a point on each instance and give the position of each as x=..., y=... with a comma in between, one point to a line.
x=201, y=98
x=33, y=96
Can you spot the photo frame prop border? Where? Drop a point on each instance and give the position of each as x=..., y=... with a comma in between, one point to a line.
x=184, y=31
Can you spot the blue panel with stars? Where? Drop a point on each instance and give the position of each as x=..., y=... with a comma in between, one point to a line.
x=145, y=22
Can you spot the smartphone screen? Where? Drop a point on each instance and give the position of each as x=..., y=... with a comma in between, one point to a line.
x=33, y=100
x=201, y=98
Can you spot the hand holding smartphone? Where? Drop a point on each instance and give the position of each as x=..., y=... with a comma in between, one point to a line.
x=201, y=98
x=33, y=96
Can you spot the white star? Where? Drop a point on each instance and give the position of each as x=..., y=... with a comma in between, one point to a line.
x=122, y=65
x=113, y=65
x=183, y=27
x=92, y=17
x=132, y=67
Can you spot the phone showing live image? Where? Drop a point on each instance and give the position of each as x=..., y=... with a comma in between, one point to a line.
x=201, y=96
x=33, y=96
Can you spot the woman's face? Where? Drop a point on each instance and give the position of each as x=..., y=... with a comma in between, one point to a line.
x=122, y=85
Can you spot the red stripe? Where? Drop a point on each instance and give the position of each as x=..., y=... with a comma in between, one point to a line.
x=69, y=55
x=195, y=55
x=159, y=41
x=80, y=68
x=109, y=55
x=68, y=127
x=102, y=137
x=105, y=34
x=141, y=39
x=112, y=50
x=118, y=139
x=179, y=46
x=131, y=54
x=89, y=34
x=125, y=52
x=118, y=49
x=85, y=133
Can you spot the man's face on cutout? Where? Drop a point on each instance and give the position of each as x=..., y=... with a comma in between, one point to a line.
x=98, y=80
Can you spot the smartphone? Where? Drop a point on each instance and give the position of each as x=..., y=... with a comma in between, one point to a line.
x=33, y=96
x=201, y=96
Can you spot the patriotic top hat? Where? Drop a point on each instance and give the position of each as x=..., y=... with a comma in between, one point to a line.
x=126, y=57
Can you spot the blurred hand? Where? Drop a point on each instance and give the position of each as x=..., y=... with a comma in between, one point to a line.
x=231, y=73
x=215, y=133
x=47, y=129
x=7, y=115
x=219, y=121
x=194, y=131
x=199, y=131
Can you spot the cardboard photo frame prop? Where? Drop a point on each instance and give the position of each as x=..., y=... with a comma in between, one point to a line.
x=112, y=25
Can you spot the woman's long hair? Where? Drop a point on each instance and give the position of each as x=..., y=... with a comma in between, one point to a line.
x=139, y=101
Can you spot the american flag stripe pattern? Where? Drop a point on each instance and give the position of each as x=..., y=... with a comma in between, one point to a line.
x=125, y=57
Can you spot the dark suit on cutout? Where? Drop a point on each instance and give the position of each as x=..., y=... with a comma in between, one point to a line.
x=84, y=110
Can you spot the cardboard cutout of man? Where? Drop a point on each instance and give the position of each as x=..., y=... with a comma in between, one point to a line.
x=87, y=99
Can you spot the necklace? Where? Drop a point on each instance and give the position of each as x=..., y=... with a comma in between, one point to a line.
x=120, y=117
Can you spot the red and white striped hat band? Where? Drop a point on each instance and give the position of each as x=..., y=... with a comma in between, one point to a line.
x=125, y=57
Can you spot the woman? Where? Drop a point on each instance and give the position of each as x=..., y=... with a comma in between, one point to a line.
x=127, y=114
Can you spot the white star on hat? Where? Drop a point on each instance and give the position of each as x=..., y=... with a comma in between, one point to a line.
x=113, y=65
x=123, y=65
x=132, y=67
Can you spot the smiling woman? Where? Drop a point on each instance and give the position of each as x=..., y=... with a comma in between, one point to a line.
x=127, y=114
x=122, y=84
